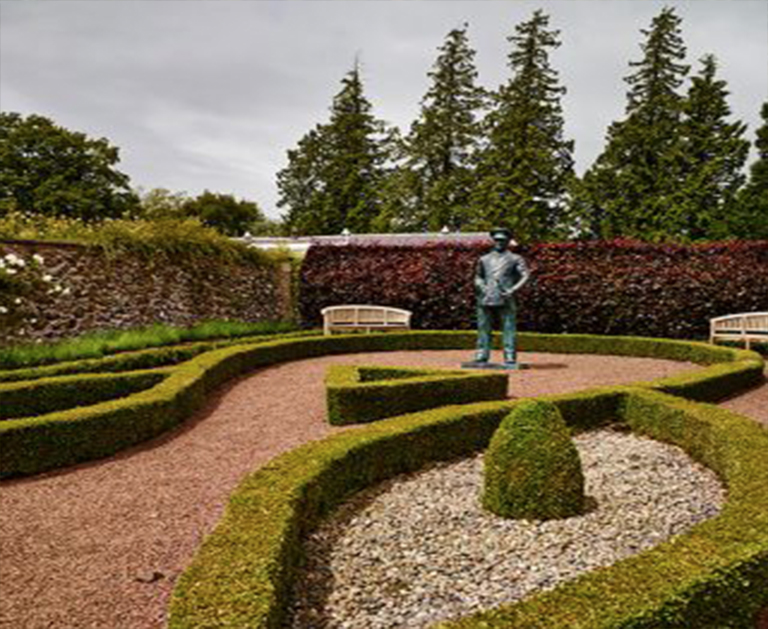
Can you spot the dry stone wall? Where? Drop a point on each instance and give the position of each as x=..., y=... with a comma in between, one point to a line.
x=95, y=291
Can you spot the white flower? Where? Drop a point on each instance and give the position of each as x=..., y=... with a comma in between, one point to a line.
x=38, y=258
x=66, y=291
x=12, y=258
x=47, y=278
x=10, y=271
x=17, y=301
x=33, y=320
x=3, y=310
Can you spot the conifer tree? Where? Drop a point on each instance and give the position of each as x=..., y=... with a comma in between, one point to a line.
x=438, y=173
x=524, y=170
x=301, y=188
x=750, y=217
x=332, y=178
x=630, y=188
x=715, y=153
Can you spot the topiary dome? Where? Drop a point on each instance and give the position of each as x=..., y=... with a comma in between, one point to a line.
x=532, y=467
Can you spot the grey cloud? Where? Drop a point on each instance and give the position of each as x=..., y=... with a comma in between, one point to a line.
x=211, y=94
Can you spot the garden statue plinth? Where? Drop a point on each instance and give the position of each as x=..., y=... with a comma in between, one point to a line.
x=499, y=274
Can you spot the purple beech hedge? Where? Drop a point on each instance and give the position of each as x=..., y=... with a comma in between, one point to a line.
x=616, y=287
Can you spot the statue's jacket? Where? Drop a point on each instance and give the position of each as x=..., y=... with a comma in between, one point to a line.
x=496, y=277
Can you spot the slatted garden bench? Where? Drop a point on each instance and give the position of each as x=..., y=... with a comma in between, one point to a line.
x=365, y=317
x=747, y=327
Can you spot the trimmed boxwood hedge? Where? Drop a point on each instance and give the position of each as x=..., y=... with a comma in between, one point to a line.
x=358, y=394
x=242, y=574
x=32, y=445
x=532, y=469
x=138, y=359
x=46, y=395
x=715, y=575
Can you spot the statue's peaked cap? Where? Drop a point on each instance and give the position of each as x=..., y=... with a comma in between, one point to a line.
x=500, y=230
x=505, y=232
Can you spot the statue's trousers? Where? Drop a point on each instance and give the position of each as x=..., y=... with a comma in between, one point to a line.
x=485, y=316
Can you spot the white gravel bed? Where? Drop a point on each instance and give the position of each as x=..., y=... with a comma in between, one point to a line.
x=419, y=548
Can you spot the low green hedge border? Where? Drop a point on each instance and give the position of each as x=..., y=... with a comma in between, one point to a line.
x=138, y=359
x=713, y=576
x=33, y=445
x=359, y=394
x=47, y=395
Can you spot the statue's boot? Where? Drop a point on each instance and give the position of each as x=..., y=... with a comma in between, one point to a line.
x=510, y=359
x=481, y=357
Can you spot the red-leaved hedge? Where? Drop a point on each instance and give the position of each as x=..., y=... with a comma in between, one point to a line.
x=619, y=287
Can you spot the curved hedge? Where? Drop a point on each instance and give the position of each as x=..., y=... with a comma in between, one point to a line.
x=715, y=575
x=46, y=395
x=34, y=444
x=359, y=394
x=136, y=359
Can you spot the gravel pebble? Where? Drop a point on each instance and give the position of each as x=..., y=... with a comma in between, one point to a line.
x=419, y=548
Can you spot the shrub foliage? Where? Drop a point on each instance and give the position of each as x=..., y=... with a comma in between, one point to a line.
x=617, y=287
x=532, y=468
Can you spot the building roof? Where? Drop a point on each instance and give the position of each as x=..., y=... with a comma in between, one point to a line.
x=302, y=243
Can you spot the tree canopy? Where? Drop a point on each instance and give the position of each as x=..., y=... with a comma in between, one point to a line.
x=524, y=170
x=48, y=170
x=750, y=218
x=630, y=189
x=223, y=213
x=436, y=173
x=714, y=153
x=332, y=180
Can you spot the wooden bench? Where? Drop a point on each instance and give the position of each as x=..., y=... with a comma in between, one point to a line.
x=747, y=327
x=365, y=317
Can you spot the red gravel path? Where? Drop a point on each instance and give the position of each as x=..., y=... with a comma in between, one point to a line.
x=100, y=545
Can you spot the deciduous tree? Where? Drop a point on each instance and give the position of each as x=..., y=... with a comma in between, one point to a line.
x=49, y=170
x=224, y=213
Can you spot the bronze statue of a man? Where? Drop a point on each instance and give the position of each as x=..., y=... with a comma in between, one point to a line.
x=499, y=274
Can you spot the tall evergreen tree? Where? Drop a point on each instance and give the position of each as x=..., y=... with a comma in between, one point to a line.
x=750, y=218
x=715, y=153
x=524, y=170
x=442, y=142
x=301, y=187
x=332, y=178
x=630, y=188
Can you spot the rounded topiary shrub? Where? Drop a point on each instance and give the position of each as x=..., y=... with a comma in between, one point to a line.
x=532, y=467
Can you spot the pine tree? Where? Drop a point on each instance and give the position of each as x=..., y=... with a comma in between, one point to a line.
x=301, y=187
x=437, y=169
x=332, y=178
x=524, y=170
x=750, y=217
x=631, y=186
x=715, y=153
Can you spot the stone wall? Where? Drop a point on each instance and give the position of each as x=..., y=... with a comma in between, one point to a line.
x=100, y=291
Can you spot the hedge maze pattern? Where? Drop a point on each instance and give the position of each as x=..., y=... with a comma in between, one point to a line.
x=715, y=575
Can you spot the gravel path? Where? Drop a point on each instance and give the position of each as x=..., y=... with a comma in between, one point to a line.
x=420, y=548
x=100, y=545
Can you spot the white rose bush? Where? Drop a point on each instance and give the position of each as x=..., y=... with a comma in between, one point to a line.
x=24, y=282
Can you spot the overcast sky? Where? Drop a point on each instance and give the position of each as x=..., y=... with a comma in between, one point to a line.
x=209, y=94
